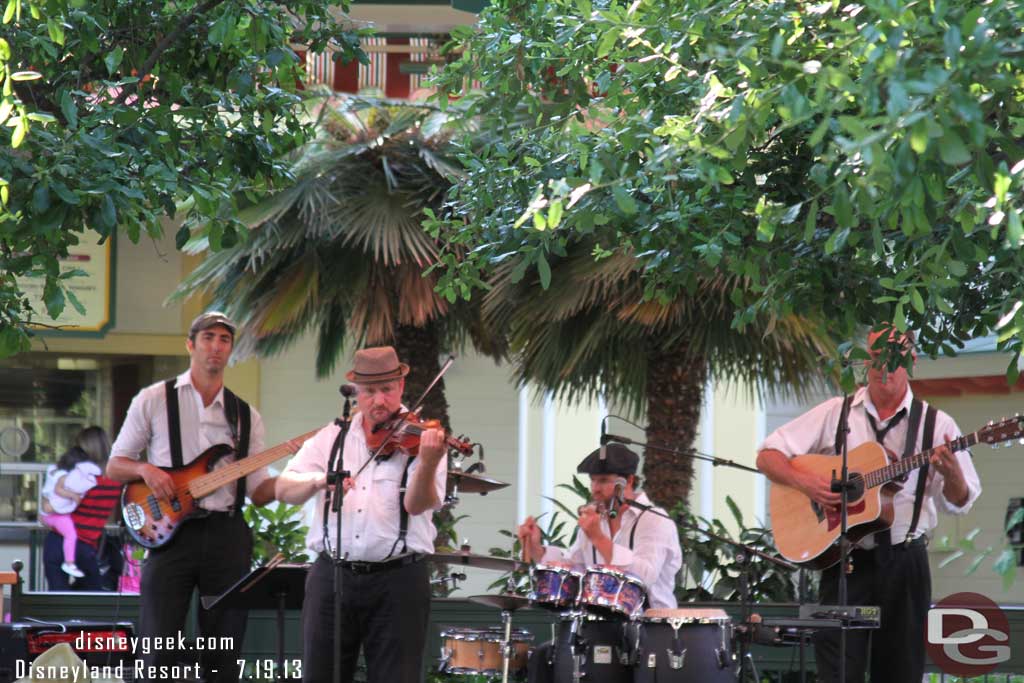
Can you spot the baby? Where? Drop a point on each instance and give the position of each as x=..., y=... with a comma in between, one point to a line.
x=66, y=482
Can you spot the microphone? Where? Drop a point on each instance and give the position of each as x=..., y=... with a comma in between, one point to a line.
x=605, y=437
x=620, y=486
x=348, y=391
x=604, y=440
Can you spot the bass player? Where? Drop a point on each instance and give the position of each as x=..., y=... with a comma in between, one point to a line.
x=174, y=422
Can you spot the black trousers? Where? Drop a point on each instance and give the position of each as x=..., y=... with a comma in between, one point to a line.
x=211, y=554
x=902, y=587
x=385, y=613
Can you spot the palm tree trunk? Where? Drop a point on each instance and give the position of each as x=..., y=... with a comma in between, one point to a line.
x=419, y=347
x=675, y=390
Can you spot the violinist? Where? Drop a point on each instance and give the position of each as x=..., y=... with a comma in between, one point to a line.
x=385, y=533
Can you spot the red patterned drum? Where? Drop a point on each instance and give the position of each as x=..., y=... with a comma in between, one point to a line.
x=554, y=586
x=609, y=592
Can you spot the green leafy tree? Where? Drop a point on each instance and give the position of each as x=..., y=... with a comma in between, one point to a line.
x=853, y=162
x=126, y=113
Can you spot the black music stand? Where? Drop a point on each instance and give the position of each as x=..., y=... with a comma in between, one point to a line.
x=279, y=587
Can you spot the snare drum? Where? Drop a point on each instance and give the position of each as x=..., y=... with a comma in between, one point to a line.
x=477, y=651
x=612, y=593
x=685, y=646
x=554, y=587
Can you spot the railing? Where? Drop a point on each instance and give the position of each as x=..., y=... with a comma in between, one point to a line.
x=774, y=664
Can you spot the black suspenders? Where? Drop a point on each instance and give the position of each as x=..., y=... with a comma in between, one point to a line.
x=927, y=440
x=238, y=416
x=632, y=537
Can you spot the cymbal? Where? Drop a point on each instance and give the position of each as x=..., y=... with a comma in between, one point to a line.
x=474, y=483
x=501, y=564
x=505, y=601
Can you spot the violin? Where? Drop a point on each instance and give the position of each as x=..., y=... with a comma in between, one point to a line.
x=402, y=433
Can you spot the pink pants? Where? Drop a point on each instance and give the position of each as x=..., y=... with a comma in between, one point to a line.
x=65, y=526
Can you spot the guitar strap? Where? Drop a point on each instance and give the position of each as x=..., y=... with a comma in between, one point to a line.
x=239, y=419
x=173, y=422
x=927, y=440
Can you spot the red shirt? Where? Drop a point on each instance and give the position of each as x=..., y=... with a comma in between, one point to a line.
x=92, y=513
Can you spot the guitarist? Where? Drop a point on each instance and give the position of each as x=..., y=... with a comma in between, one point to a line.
x=174, y=422
x=890, y=568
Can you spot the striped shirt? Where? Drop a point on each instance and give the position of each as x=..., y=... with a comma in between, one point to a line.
x=91, y=515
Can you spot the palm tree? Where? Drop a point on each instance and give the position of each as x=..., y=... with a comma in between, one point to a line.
x=591, y=333
x=342, y=251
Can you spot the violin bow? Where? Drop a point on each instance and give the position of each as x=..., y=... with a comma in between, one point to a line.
x=415, y=408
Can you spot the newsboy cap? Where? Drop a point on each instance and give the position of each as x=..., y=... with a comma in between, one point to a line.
x=618, y=460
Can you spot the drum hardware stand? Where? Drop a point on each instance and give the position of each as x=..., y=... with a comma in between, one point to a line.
x=577, y=646
x=506, y=643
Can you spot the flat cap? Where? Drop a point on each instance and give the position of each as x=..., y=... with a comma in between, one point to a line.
x=207, y=320
x=618, y=460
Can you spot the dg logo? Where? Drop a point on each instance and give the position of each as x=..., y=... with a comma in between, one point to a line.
x=967, y=635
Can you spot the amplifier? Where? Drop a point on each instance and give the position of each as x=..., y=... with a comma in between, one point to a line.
x=99, y=644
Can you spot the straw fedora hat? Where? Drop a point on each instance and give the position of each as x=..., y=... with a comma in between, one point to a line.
x=375, y=365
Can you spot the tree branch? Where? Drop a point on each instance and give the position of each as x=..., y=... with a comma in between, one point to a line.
x=164, y=43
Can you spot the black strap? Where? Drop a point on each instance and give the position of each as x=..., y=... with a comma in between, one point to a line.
x=632, y=532
x=237, y=411
x=403, y=514
x=927, y=440
x=173, y=422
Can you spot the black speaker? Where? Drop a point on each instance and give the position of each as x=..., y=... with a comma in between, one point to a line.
x=99, y=644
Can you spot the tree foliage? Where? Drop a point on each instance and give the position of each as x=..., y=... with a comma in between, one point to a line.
x=124, y=113
x=853, y=161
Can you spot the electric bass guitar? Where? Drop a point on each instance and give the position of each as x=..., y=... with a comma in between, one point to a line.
x=806, y=532
x=153, y=522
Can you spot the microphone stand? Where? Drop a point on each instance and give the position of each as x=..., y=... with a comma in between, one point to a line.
x=843, y=486
x=337, y=477
x=714, y=460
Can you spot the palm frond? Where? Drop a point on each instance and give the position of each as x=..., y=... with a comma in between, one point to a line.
x=342, y=248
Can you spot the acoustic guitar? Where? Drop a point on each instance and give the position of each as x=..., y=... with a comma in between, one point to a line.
x=153, y=522
x=806, y=532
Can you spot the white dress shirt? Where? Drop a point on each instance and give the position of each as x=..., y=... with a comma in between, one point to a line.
x=370, y=512
x=815, y=432
x=655, y=558
x=145, y=429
